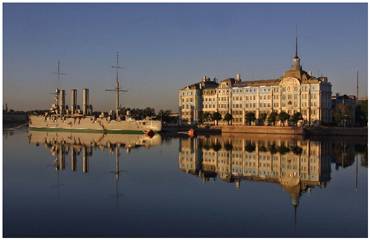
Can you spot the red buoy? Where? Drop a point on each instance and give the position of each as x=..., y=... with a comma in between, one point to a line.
x=191, y=132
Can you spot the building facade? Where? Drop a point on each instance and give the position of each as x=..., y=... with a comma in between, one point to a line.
x=295, y=91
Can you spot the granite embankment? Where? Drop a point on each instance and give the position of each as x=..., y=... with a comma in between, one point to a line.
x=336, y=131
x=263, y=130
x=272, y=130
x=312, y=131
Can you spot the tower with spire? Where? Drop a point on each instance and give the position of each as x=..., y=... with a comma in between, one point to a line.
x=296, y=63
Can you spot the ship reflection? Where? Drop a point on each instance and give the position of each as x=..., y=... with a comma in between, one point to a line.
x=61, y=144
x=296, y=164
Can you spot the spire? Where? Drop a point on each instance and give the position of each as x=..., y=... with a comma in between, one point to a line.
x=295, y=215
x=296, y=46
x=296, y=63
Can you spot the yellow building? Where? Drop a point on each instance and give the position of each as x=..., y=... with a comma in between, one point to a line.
x=295, y=91
x=191, y=102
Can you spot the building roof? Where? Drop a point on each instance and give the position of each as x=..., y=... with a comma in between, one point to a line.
x=341, y=97
x=228, y=80
x=202, y=84
x=256, y=83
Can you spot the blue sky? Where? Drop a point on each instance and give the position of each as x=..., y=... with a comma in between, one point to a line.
x=164, y=47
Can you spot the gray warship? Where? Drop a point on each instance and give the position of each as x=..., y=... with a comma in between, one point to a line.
x=60, y=117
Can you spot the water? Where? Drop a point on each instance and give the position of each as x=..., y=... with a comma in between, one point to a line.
x=90, y=185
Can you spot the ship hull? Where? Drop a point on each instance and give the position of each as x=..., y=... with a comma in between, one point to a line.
x=90, y=124
x=78, y=130
x=91, y=139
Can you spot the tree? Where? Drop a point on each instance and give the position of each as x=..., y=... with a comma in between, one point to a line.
x=296, y=150
x=273, y=149
x=148, y=112
x=296, y=117
x=361, y=113
x=263, y=117
x=250, y=147
x=250, y=117
x=283, y=116
x=216, y=146
x=206, y=117
x=216, y=116
x=228, y=146
x=201, y=118
x=262, y=148
x=138, y=113
x=272, y=117
x=228, y=117
x=342, y=114
x=283, y=149
x=164, y=115
x=206, y=145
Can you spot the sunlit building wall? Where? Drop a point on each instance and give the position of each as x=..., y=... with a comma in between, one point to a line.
x=295, y=91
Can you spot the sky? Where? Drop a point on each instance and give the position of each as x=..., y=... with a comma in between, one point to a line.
x=164, y=47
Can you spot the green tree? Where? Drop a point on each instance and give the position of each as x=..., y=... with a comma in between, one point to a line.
x=206, y=116
x=216, y=146
x=272, y=117
x=250, y=147
x=283, y=116
x=201, y=118
x=296, y=150
x=228, y=117
x=262, y=148
x=262, y=118
x=361, y=113
x=273, y=149
x=296, y=117
x=283, y=149
x=250, y=117
x=216, y=116
x=206, y=145
x=164, y=115
x=228, y=146
x=342, y=114
x=148, y=112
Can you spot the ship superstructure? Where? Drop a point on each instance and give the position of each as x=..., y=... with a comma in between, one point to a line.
x=60, y=117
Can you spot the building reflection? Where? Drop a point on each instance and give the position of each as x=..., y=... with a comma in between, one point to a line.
x=295, y=163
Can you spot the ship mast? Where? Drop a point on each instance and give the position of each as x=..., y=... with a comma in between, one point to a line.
x=117, y=89
x=59, y=73
x=357, y=89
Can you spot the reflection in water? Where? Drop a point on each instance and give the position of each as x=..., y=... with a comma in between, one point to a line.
x=160, y=198
x=61, y=144
x=296, y=164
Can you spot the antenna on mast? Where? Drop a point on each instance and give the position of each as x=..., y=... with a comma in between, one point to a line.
x=117, y=89
x=357, y=91
x=59, y=73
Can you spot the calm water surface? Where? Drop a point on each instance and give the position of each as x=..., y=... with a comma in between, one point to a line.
x=82, y=185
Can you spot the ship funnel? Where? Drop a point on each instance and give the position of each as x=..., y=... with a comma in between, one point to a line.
x=62, y=101
x=85, y=163
x=85, y=100
x=73, y=101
